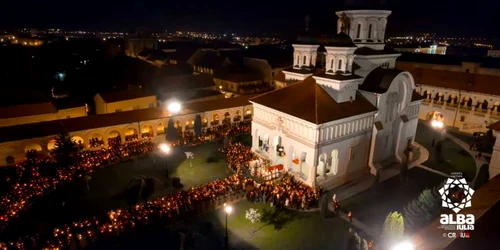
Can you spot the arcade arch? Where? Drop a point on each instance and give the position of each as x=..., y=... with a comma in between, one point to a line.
x=32, y=146
x=147, y=131
x=51, y=145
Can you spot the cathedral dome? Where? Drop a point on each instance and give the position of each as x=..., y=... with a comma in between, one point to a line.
x=341, y=40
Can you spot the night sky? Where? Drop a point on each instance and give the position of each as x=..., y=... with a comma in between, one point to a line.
x=446, y=17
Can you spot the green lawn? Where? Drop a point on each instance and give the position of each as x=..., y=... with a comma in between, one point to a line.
x=372, y=206
x=453, y=157
x=288, y=230
x=111, y=187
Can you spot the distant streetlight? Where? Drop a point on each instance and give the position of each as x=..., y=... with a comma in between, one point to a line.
x=228, y=210
x=174, y=107
x=404, y=246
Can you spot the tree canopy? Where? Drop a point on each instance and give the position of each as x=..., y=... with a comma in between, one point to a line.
x=197, y=125
x=65, y=150
x=172, y=134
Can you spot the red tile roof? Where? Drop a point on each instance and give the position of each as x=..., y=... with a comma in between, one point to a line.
x=280, y=77
x=495, y=126
x=34, y=130
x=485, y=84
x=123, y=95
x=308, y=101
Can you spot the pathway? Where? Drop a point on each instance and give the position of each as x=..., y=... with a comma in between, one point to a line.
x=465, y=146
x=327, y=213
x=424, y=153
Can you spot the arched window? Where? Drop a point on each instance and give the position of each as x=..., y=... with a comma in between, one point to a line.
x=298, y=60
x=359, y=31
x=331, y=65
x=304, y=60
x=370, y=31
x=340, y=64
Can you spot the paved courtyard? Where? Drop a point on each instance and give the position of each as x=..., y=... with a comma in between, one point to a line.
x=113, y=187
x=287, y=230
x=453, y=158
x=373, y=205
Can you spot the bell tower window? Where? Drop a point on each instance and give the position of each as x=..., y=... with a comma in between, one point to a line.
x=359, y=31
x=331, y=64
x=370, y=31
x=340, y=65
x=304, y=61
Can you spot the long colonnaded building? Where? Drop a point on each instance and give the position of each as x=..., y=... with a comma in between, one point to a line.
x=151, y=122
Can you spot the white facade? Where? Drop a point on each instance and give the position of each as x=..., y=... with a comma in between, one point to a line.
x=304, y=55
x=366, y=27
x=330, y=150
x=341, y=149
x=456, y=109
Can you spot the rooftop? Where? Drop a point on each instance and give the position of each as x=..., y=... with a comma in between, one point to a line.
x=238, y=74
x=477, y=83
x=34, y=130
x=338, y=77
x=306, y=100
x=184, y=83
x=379, y=80
x=486, y=62
x=123, y=95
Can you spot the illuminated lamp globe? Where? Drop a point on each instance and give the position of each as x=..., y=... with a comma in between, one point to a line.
x=164, y=148
x=404, y=246
x=228, y=209
x=174, y=107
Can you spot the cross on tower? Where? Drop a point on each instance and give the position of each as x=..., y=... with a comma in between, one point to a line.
x=307, y=19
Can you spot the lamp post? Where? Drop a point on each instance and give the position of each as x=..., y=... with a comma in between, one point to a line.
x=174, y=107
x=437, y=126
x=164, y=148
x=227, y=210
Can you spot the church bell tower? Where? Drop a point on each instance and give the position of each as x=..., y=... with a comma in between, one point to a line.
x=366, y=22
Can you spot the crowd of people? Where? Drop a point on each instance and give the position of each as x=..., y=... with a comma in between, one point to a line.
x=189, y=137
x=96, y=142
x=28, y=188
x=158, y=212
x=287, y=192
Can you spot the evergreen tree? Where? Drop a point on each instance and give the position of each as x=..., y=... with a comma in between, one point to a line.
x=65, y=150
x=364, y=245
x=172, y=134
x=393, y=230
x=422, y=210
x=197, y=125
x=353, y=242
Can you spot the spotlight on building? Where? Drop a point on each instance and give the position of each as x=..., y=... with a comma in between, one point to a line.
x=174, y=107
x=406, y=245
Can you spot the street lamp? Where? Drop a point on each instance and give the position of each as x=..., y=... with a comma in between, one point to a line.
x=174, y=107
x=164, y=148
x=404, y=246
x=227, y=210
x=437, y=126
